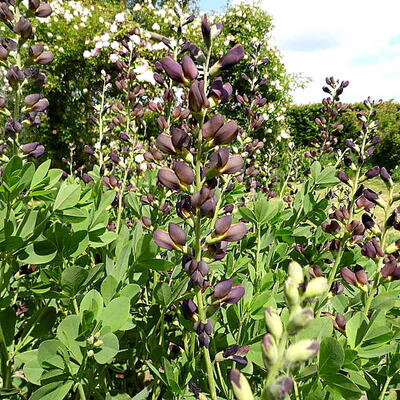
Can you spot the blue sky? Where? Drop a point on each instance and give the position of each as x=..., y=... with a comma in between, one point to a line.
x=355, y=40
x=210, y=5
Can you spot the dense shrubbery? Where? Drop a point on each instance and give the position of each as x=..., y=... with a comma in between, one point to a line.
x=184, y=263
x=302, y=127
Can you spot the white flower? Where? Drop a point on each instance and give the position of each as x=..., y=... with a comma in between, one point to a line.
x=147, y=76
x=155, y=27
x=139, y=158
x=101, y=20
x=113, y=58
x=115, y=45
x=87, y=54
x=120, y=17
x=113, y=28
x=135, y=39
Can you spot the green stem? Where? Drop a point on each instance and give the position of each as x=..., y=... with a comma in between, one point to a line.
x=81, y=392
x=385, y=386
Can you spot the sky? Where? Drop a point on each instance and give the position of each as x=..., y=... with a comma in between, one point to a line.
x=355, y=40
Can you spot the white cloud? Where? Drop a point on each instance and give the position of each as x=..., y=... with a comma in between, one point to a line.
x=355, y=40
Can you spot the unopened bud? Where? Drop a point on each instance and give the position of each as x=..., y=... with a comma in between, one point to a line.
x=316, y=287
x=274, y=323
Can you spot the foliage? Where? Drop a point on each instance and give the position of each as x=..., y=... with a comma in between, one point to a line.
x=303, y=129
x=178, y=262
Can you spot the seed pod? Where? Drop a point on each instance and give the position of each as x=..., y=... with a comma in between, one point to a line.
x=274, y=323
x=301, y=351
x=240, y=386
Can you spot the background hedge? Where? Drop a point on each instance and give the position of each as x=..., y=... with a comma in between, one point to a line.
x=303, y=129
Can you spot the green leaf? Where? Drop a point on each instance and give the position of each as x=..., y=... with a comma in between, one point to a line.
x=7, y=325
x=53, y=391
x=331, y=356
x=40, y=174
x=162, y=294
x=72, y=279
x=48, y=354
x=44, y=319
x=40, y=252
x=33, y=371
x=108, y=288
x=108, y=350
x=116, y=314
x=356, y=329
x=92, y=302
x=68, y=332
x=342, y=385
x=68, y=196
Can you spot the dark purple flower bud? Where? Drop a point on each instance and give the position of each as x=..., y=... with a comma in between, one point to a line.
x=385, y=176
x=47, y=57
x=236, y=232
x=87, y=178
x=177, y=234
x=209, y=327
x=361, y=275
x=223, y=224
x=3, y=53
x=378, y=247
x=89, y=150
x=189, y=309
x=33, y=4
x=173, y=69
x=15, y=76
x=222, y=288
x=368, y=221
x=343, y=177
x=206, y=30
x=211, y=127
x=168, y=178
x=164, y=143
x=32, y=99
x=124, y=136
x=339, y=323
x=197, y=97
x=368, y=250
x=373, y=172
x=234, y=164
x=233, y=57
x=146, y=222
x=226, y=134
x=29, y=147
x=114, y=157
x=189, y=68
x=163, y=239
x=362, y=202
x=38, y=152
x=316, y=271
x=349, y=276
x=371, y=195
x=204, y=340
x=5, y=13
x=36, y=50
x=389, y=267
x=236, y=293
x=43, y=11
x=184, y=172
x=337, y=288
x=40, y=106
x=203, y=268
x=23, y=28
